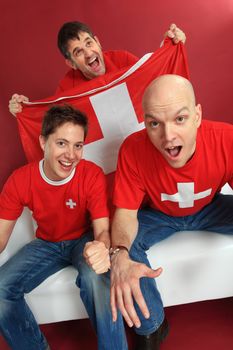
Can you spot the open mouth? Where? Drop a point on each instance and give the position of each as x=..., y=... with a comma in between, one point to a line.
x=94, y=63
x=66, y=165
x=174, y=151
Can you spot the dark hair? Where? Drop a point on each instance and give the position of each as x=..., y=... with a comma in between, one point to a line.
x=58, y=115
x=70, y=31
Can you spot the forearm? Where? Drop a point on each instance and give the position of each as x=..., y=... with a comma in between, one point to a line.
x=103, y=236
x=3, y=245
x=6, y=227
x=124, y=227
x=101, y=231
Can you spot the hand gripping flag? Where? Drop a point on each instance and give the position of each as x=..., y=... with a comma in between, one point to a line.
x=112, y=103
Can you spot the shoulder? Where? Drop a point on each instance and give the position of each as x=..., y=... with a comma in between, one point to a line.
x=216, y=137
x=88, y=167
x=216, y=128
x=21, y=178
x=70, y=80
x=66, y=82
x=136, y=138
x=25, y=170
x=122, y=56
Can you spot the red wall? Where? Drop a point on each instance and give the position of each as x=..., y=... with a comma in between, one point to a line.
x=32, y=65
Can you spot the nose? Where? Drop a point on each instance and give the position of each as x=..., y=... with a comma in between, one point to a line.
x=87, y=52
x=169, y=132
x=70, y=154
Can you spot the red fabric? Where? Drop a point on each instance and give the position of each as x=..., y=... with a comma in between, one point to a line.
x=57, y=220
x=114, y=60
x=168, y=59
x=143, y=171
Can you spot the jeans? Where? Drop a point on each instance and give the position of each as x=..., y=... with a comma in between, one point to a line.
x=32, y=265
x=155, y=226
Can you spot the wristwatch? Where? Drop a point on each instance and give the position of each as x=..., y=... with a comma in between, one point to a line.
x=115, y=250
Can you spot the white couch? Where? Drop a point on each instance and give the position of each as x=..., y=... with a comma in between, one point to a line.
x=197, y=266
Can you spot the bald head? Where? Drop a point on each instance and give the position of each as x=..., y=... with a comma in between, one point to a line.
x=166, y=88
x=172, y=118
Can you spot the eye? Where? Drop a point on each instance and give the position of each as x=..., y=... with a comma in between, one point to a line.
x=153, y=124
x=78, y=52
x=79, y=146
x=180, y=119
x=89, y=43
x=61, y=143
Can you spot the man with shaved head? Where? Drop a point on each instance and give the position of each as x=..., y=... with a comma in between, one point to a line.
x=179, y=163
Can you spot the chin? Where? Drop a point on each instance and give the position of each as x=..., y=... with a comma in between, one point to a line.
x=177, y=164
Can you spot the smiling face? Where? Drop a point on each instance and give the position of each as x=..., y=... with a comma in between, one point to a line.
x=172, y=118
x=86, y=55
x=62, y=150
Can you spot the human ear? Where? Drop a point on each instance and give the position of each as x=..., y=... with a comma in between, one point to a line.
x=198, y=114
x=70, y=64
x=42, y=142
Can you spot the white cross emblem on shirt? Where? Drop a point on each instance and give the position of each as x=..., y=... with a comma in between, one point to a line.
x=71, y=204
x=185, y=195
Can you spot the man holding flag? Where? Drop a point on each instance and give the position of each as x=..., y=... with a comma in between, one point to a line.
x=83, y=54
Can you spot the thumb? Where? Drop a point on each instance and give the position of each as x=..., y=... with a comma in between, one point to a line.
x=153, y=273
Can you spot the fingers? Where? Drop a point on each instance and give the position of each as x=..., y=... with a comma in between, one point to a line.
x=126, y=306
x=138, y=297
x=15, y=105
x=97, y=256
x=125, y=296
x=125, y=290
x=113, y=303
x=176, y=34
x=152, y=273
x=101, y=266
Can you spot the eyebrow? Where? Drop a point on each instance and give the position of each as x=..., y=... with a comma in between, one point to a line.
x=64, y=140
x=77, y=48
x=183, y=109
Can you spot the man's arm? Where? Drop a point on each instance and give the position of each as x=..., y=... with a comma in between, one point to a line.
x=6, y=228
x=96, y=252
x=126, y=273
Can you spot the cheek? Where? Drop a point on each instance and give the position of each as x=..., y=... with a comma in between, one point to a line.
x=191, y=134
x=154, y=137
x=78, y=154
x=79, y=63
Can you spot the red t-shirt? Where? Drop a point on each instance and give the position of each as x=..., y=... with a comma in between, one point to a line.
x=142, y=171
x=60, y=208
x=114, y=60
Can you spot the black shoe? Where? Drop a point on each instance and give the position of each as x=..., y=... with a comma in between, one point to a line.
x=152, y=341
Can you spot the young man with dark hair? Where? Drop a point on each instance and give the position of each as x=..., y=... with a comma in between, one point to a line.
x=84, y=56
x=67, y=197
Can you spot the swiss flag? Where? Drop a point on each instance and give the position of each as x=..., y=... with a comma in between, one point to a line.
x=112, y=103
